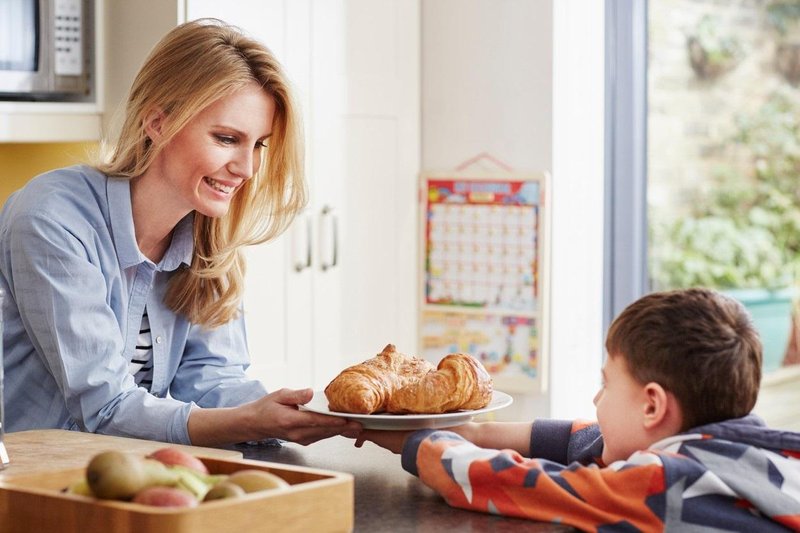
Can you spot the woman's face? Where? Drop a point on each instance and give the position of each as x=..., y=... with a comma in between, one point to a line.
x=216, y=152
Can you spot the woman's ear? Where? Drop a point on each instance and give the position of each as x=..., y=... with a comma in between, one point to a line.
x=154, y=124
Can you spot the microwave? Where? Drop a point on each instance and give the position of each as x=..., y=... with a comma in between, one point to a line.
x=47, y=50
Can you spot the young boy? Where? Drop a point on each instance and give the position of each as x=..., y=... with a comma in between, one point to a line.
x=674, y=447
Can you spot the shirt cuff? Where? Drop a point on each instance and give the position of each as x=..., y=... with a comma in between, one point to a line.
x=550, y=440
x=410, y=449
x=179, y=429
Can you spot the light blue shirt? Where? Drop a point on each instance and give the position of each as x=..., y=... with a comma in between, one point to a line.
x=76, y=286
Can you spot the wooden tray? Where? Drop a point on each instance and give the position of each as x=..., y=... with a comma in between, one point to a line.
x=318, y=500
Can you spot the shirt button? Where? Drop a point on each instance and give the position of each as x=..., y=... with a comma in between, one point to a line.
x=158, y=339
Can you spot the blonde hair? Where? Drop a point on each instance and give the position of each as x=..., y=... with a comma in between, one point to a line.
x=193, y=66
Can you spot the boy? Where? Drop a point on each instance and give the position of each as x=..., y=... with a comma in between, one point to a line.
x=674, y=448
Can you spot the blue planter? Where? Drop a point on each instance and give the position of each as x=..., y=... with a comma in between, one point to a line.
x=772, y=316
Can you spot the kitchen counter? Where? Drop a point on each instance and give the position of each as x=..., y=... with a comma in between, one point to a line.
x=387, y=498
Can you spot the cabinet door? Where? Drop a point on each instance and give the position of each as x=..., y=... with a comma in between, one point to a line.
x=365, y=145
x=277, y=293
x=355, y=64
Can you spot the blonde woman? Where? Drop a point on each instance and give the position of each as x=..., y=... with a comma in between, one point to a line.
x=124, y=281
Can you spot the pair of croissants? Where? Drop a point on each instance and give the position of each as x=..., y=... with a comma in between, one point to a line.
x=395, y=383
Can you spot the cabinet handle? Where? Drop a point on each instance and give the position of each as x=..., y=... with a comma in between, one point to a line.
x=299, y=266
x=327, y=211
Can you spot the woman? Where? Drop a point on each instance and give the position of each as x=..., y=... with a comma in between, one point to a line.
x=124, y=281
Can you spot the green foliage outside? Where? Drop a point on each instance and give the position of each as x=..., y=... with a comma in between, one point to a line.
x=783, y=14
x=745, y=232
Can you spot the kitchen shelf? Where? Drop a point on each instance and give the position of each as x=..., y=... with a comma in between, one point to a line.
x=49, y=122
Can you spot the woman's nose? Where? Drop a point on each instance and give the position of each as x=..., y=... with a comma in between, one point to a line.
x=244, y=164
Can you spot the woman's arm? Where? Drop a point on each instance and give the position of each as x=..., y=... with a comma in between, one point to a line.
x=56, y=272
x=275, y=415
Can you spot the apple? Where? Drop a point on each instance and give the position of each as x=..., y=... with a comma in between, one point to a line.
x=165, y=497
x=175, y=456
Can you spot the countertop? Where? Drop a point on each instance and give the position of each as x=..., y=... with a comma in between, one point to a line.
x=387, y=498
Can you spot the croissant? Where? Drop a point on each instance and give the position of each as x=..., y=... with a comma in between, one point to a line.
x=365, y=388
x=396, y=383
x=460, y=382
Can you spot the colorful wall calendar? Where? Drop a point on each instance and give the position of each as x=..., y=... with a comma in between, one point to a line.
x=484, y=252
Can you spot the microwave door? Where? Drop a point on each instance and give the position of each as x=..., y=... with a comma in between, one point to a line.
x=21, y=46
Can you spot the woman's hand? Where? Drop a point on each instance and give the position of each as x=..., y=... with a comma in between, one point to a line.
x=280, y=418
x=273, y=416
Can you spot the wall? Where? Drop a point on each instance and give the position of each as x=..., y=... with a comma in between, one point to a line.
x=490, y=84
x=486, y=82
x=22, y=161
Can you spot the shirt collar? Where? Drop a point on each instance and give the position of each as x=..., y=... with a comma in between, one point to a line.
x=182, y=245
x=121, y=214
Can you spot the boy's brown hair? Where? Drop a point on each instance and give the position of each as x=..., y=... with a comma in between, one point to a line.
x=696, y=343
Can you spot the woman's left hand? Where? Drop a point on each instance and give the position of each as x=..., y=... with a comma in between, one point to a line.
x=284, y=420
x=272, y=416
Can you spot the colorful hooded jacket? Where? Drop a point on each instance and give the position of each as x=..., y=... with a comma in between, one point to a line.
x=736, y=475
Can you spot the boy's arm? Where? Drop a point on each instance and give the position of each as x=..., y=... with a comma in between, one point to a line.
x=560, y=441
x=512, y=435
x=503, y=482
x=498, y=435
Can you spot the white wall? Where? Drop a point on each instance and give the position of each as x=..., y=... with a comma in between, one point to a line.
x=523, y=81
x=486, y=82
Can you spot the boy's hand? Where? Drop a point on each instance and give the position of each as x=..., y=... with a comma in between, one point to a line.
x=391, y=440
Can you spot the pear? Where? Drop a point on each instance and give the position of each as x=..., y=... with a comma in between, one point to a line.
x=119, y=476
x=80, y=487
x=115, y=475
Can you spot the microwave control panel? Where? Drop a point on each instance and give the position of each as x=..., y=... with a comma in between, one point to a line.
x=68, y=20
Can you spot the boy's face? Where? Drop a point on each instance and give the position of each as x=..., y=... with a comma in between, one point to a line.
x=621, y=404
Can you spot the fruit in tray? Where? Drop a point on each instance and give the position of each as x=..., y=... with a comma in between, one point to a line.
x=168, y=477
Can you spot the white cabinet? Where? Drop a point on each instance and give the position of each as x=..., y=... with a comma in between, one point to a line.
x=341, y=282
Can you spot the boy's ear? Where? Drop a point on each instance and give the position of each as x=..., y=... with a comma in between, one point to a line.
x=660, y=406
x=154, y=124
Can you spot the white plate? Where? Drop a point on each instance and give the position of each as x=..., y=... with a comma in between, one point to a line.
x=319, y=404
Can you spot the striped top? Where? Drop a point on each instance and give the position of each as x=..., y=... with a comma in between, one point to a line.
x=141, y=365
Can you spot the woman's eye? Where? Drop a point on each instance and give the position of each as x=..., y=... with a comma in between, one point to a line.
x=225, y=139
x=261, y=144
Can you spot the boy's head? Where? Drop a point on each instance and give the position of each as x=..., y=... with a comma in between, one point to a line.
x=695, y=349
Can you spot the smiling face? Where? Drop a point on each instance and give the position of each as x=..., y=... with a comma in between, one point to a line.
x=621, y=405
x=207, y=161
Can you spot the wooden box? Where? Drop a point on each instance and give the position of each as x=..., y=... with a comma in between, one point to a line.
x=318, y=500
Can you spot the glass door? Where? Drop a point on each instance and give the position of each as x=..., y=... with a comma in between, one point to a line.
x=723, y=157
